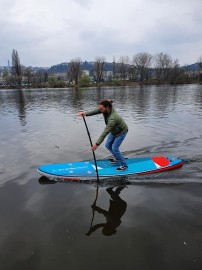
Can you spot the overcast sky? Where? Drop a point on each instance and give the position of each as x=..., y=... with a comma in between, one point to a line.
x=48, y=32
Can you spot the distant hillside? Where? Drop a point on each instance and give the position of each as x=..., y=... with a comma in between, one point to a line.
x=192, y=67
x=62, y=68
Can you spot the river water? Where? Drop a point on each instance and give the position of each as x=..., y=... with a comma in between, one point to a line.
x=157, y=219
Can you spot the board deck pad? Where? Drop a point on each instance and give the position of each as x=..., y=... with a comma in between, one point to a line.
x=87, y=169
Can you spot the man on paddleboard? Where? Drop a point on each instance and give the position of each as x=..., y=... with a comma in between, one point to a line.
x=115, y=127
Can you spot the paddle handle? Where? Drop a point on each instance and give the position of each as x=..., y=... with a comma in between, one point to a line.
x=95, y=161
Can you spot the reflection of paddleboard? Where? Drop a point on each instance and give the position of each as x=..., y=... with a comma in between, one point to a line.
x=81, y=170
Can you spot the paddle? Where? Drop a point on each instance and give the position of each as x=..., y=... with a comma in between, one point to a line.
x=95, y=161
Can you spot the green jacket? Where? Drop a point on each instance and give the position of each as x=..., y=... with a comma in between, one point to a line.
x=114, y=124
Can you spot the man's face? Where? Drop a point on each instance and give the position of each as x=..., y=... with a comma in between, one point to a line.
x=104, y=109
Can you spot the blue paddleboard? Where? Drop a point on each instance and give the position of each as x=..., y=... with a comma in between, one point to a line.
x=85, y=170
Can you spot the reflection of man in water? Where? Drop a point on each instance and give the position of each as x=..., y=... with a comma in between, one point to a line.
x=113, y=216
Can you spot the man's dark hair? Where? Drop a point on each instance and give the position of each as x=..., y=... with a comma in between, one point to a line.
x=106, y=103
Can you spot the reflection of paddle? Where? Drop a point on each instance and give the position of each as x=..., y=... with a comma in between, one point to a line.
x=91, y=145
x=94, y=203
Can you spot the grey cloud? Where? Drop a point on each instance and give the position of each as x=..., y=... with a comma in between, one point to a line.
x=83, y=2
x=100, y=28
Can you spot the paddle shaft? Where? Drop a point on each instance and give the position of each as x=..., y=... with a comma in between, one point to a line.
x=91, y=145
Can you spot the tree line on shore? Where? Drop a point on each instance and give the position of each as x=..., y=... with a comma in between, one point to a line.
x=143, y=68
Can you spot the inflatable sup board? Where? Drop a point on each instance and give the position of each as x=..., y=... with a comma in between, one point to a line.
x=85, y=170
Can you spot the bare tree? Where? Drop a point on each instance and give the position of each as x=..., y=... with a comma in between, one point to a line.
x=98, y=69
x=39, y=77
x=122, y=67
x=7, y=77
x=45, y=76
x=200, y=66
x=186, y=73
x=200, y=62
x=176, y=73
x=162, y=66
x=114, y=67
x=26, y=74
x=74, y=70
x=132, y=72
x=16, y=68
x=142, y=61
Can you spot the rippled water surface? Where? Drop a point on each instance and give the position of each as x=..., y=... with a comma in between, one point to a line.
x=156, y=220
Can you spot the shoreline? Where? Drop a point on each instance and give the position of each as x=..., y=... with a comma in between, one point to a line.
x=101, y=85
